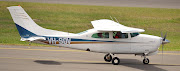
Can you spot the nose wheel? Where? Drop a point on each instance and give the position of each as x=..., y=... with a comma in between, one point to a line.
x=146, y=60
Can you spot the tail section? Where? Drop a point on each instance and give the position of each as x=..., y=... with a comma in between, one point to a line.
x=24, y=33
x=27, y=27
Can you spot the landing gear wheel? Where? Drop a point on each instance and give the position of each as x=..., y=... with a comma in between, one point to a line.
x=107, y=57
x=115, y=61
x=146, y=61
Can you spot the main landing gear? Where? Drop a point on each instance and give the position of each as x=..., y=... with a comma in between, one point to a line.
x=108, y=58
x=115, y=60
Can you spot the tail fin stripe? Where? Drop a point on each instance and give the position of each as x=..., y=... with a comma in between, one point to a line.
x=24, y=33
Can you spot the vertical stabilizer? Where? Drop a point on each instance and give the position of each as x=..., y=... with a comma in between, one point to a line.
x=26, y=26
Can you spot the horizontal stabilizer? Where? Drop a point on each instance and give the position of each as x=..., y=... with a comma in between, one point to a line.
x=33, y=39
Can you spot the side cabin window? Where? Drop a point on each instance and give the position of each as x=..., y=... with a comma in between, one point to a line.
x=119, y=35
x=101, y=35
x=134, y=34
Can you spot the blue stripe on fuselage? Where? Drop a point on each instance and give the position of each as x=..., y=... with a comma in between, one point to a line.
x=75, y=39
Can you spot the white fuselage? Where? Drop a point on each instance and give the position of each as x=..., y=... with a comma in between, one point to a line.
x=107, y=36
x=141, y=44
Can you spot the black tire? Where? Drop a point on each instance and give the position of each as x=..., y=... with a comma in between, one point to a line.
x=114, y=61
x=108, y=59
x=146, y=61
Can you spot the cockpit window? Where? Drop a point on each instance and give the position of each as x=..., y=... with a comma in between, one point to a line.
x=134, y=34
x=117, y=35
x=101, y=35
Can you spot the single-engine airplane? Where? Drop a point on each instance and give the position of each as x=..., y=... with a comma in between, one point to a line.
x=107, y=36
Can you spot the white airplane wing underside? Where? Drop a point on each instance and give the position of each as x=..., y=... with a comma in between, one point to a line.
x=109, y=25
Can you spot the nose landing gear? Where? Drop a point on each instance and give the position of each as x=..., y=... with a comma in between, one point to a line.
x=145, y=60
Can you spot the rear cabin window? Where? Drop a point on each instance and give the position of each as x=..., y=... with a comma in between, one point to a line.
x=101, y=35
x=134, y=34
x=119, y=35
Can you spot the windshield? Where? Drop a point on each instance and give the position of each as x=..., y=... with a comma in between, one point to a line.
x=134, y=34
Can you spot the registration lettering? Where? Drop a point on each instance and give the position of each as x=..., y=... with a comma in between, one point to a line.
x=53, y=40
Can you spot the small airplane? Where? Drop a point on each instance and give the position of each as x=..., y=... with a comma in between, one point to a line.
x=107, y=36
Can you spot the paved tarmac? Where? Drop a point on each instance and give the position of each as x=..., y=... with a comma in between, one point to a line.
x=122, y=3
x=23, y=58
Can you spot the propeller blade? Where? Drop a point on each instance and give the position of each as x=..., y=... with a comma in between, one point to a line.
x=165, y=37
x=163, y=42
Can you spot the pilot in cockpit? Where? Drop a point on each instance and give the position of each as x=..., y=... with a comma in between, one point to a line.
x=118, y=35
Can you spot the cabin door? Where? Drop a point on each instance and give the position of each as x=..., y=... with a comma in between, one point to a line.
x=122, y=42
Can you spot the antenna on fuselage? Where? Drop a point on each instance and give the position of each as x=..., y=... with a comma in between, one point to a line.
x=111, y=18
x=116, y=20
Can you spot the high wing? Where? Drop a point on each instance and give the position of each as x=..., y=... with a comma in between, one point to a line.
x=109, y=25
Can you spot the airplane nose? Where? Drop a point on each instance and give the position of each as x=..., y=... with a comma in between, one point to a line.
x=165, y=41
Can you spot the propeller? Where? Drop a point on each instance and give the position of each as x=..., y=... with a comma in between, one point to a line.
x=164, y=41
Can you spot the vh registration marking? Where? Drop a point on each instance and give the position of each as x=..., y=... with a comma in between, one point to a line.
x=54, y=40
